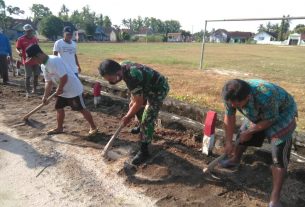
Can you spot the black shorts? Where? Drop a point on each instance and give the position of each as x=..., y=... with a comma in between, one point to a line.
x=280, y=152
x=76, y=103
x=257, y=140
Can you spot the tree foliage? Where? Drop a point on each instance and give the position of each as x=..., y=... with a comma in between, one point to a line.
x=40, y=11
x=88, y=20
x=107, y=22
x=156, y=25
x=284, y=29
x=51, y=27
x=300, y=29
x=5, y=11
x=64, y=13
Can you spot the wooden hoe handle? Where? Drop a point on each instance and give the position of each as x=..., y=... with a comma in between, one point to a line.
x=37, y=108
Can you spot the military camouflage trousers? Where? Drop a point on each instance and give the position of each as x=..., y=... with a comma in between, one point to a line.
x=148, y=115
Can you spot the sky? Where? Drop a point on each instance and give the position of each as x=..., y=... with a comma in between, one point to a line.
x=191, y=13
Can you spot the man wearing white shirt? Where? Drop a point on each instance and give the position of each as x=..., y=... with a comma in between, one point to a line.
x=66, y=49
x=69, y=88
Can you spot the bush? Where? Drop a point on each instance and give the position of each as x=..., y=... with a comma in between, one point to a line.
x=134, y=38
x=125, y=36
x=156, y=38
x=149, y=38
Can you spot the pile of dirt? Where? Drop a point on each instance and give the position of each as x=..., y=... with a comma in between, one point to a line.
x=171, y=177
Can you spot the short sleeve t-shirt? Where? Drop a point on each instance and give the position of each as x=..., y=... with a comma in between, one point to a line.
x=67, y=52
x=22, y=43
x=269, y=102
x=54, y=69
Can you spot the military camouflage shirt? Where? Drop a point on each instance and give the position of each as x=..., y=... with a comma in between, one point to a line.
x=142, y=80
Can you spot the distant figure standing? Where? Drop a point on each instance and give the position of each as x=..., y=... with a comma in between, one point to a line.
x=5, y=56
x=31, y=66
x=66, y=49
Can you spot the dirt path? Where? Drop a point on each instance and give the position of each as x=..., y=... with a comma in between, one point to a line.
x=68, y=170
x=37, y=172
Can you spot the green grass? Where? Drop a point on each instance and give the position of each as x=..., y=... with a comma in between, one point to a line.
x=180, y=63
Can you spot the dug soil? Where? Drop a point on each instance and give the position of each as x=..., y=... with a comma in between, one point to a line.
x=68, y=170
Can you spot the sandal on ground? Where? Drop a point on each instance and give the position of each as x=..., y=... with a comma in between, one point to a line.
x=228, y=164
x=54, y=131
x=93, y=132
x=274, y=205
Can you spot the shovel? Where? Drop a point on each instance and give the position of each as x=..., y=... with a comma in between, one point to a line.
x=110, y=142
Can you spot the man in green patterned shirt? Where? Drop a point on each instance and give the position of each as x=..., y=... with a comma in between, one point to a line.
x=147, y=87
x=270, y=112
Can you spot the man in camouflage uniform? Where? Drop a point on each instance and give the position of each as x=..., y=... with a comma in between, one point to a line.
x=148, y=87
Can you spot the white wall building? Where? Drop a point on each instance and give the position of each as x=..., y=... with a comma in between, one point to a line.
x=296, y=39
x=265, y=38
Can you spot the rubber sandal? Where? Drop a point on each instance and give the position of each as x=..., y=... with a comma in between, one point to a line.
x=54, y=131
x=274, y=205
x=93, y=132
x=228, y=164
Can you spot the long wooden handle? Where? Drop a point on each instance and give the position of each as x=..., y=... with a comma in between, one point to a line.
x=37, y=108
x=110, y=142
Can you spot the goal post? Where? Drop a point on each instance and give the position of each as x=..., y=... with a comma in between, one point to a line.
x=234, y=20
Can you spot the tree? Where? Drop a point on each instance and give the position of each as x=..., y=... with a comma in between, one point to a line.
x=198, y=36
x=5, y=20
x=284, y=29
x=127, y=23
x=76, y=18
x=172, y=26
x=64, y=13
x=125, y=36
x=300, y=29
x=90, y=28
x=137, y=24
x=40, y=11
x=51, y=27
x=147, y=22
x=107, y=22
x=185, y=34
x=157, y=25
x=85, y=19
x=262, y=28
x=100, y=20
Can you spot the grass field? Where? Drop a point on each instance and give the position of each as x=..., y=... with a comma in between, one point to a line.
x=180, y=62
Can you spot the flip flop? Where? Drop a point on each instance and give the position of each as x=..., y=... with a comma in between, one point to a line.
x=93, y=132
x=54, y=131
x=274, y=205
x=228, y=164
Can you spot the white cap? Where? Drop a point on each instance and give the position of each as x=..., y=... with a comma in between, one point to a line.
x=27, y=27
